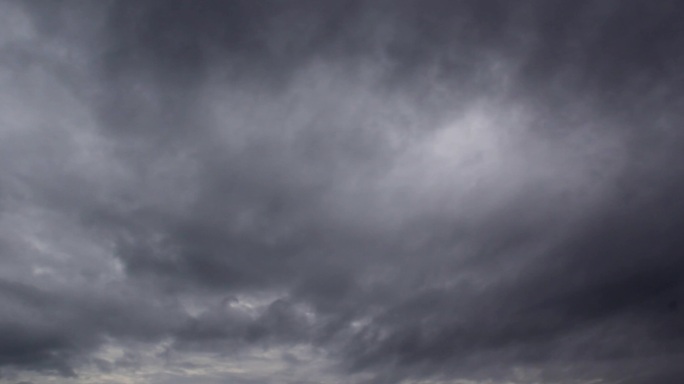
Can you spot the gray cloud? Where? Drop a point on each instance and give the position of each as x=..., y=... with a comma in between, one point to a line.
x=352, y=192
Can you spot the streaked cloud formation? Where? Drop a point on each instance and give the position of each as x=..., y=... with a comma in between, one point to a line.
x=341, y=192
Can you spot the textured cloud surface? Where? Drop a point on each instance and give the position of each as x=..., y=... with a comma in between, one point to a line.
x=361, y=192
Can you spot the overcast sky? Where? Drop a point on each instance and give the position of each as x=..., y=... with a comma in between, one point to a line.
x=342, y=192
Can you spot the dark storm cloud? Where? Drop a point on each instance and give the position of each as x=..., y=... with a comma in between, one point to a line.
x=434, y=190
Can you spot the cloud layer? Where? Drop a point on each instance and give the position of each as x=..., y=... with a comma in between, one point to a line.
x=341, y=192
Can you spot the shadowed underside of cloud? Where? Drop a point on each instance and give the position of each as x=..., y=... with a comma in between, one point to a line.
x=348, y=192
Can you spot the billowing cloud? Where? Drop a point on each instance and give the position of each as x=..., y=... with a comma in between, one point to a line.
x=341, y=192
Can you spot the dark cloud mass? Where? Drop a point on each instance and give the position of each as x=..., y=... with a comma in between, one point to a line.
x=362, y=192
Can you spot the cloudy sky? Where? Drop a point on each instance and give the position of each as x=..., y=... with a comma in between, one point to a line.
x=341, y=192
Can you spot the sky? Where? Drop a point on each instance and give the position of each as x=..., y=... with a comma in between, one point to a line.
x=341, y=192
